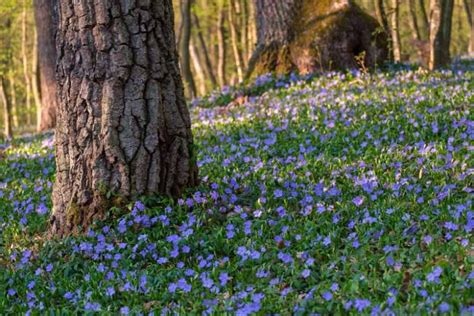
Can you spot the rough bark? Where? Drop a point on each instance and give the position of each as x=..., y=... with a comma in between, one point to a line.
x=190, y=87
x=395, y=29
x=441, y=13
x=7, y=118
x=46, y=17
x=123, y=128
x=312, y=35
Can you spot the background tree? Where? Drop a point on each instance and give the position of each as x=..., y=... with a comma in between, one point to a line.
x=395, y=29
x=441, y=13
x=311, y=34
x=184, y=48
x=46, y=23
x=123, y=125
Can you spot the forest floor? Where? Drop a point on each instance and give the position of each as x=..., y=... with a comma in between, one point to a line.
x=345, y=193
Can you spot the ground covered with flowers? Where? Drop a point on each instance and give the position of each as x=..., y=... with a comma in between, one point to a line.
x=345, y=193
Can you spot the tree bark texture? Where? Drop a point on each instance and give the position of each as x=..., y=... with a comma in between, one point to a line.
x=441, y=13
x=311, y=35
x=123, y=126
x=46, y=17
x=235, y=39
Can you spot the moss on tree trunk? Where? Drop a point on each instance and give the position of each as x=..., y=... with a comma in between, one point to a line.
x=315, y=35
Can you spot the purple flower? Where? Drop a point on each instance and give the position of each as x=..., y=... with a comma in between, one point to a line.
x=361, y=304
x=327, y=296
x=358, y=200
x=305, y=273
x=124, y=310
x=224, y=278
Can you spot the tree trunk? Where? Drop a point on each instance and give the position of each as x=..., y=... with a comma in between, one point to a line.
x=26, y=72
x=441, y=13
x=470, y=14
x=424, y=22
x=382, y=15
x=46, y=17
x=35, y=79
x=221, y=51
x=204, y=51
x=190, y=88
x=396, y=42
x=311, y=35
x=7, y=118
x=417, y=39
x=198, y=69
x=123, y=128
x=235, y=39
x=416, y=35
x=14, y=103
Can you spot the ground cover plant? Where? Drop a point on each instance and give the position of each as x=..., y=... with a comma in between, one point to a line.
x=346, y=193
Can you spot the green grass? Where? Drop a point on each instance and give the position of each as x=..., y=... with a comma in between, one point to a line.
x=338, y=194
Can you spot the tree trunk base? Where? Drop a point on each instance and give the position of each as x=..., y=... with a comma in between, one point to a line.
x=329, y=40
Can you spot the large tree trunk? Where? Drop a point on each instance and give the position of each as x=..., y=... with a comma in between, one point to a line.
x=395, y=29
x=123, y=126
x=441, y=13
x=310, y=35
x=190, y=88
x=7, y=118
x=46, y=17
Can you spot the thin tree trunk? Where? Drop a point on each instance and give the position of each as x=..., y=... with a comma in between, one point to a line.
x=381, y=15
x=416, y=35
x=190, y=87
x=204, y=51
x=46, y=17
x=7, y=118
x=123, y=124
x=470, y=14
x=396, y=42
x=252, y=31
x=235, y=39
x=35, y=79
x=198, y=69
x=221, y=75
x=26, y=72
x=244, y=38
x=14, y=104
x=424, y=21
x=441, y=13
